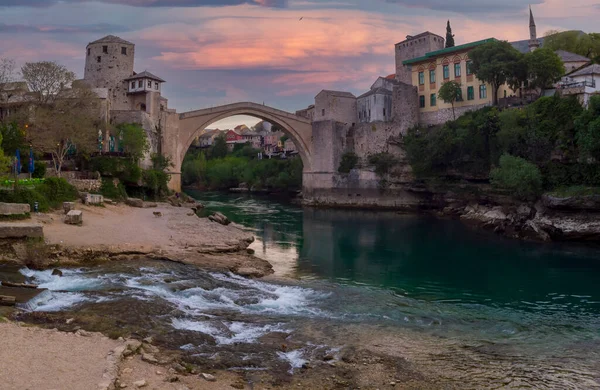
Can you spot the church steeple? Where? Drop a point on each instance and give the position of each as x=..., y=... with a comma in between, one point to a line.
x=534, y=43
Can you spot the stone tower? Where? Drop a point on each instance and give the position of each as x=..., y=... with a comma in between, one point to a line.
x=108, y=62
x=414, y=47
x=534, y=43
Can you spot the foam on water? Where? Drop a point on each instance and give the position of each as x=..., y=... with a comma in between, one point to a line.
x=294, y=358
x=71, y=280
x=52, y=301
x=230, y=332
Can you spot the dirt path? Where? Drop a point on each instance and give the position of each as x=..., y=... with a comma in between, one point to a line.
x=42, y=359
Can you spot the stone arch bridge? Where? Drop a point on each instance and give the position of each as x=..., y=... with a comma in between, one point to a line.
x=179, y=136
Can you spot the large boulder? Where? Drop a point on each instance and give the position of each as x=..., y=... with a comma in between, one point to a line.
x=74, y=217
x=20, y=230
x=134, y=202
x=68, y=206
x=94, y=199
x=219, y=218
x=10, y=209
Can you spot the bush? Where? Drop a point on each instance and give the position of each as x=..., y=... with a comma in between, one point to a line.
x=383, y=162
x=110, y=191
x=25, y=195
x=348, y=162
x=56, y=191
x=39, y=170
x=519, y=176
x=156, y=183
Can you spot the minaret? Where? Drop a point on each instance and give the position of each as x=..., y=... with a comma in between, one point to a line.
x=534, y=43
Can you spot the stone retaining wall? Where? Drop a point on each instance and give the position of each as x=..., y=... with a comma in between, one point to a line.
x=86, y=185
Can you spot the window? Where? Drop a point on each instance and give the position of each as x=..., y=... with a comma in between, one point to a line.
x=104, y=49
x=432, y=100
x=459, y=96
x=457, y=70
x=124, y=50
x=133, y=85
x=384, y=112
x=140, y=84
x=432, y=76
x=470, y=93
x=421, y=78
x=360, y=115
x=369, y=113
x=446, y=72
x=89, y=51
x=469, y=64
x=149, y=83
x=156, y=85
x=483, y=91
x=98, y=59
x=323, y=112
x=422, y=101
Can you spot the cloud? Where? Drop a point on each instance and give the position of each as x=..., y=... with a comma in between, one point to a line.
x=149, y=3
x=100, y=28
x=466, y=7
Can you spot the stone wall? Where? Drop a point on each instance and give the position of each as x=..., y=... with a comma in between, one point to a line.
x=405, y=107
x=110, y=72
x=442, y=116
x=335, y=106
x=83, y=185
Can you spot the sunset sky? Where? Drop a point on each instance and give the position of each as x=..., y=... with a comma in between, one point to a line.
x=212, y=52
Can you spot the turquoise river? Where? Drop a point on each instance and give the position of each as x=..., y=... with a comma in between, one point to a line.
x=473, y=309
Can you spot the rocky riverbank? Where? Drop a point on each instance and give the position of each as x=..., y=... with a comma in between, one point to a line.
x=120, y=232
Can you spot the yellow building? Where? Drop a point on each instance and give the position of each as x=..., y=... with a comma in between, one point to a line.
x=432, y=70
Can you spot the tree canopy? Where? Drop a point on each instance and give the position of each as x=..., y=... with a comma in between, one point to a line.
x=544, y=67
x=450, y=92
x=47, y=79
x=449, y=36
x=133, y=139
x=219, y=148
x=496, y=62
x=578, y=42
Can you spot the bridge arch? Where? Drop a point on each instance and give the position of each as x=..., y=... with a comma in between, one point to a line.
x=193, y=123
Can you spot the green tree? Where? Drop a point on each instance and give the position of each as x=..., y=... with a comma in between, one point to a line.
x=545, y=68
x=449, y=36
x=519, y=176
x=13, y=135
x=219, y=148
x=450, y=92
x=495, y=62
x=133, y=140
x=348, y=162
x=577, y=42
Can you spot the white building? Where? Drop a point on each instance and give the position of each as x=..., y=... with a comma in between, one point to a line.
x=583, y=83
x=376, y=105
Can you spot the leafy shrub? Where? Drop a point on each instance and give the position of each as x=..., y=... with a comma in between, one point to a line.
x=519, y=176
x=39, y=170
x=348, y=162
x=110, y=191
x=383, y=162
x=25, y=195
x=156, y=183
x=56, y=191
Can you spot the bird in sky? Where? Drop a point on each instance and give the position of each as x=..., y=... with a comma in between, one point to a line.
x=301, y=18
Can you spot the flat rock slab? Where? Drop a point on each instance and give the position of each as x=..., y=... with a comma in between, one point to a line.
x=74, y=217
x=21, y=230
x=134, y=202
x=14, y=208
x=94, y=199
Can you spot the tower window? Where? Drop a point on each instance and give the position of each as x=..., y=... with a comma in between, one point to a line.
x=133, y=85
x=104, y=49
x=323, y=112
x=156, y=85
x=98, y=59
x=124, y=51
x=140, y=84
x=89, y=51
x=149, y=83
